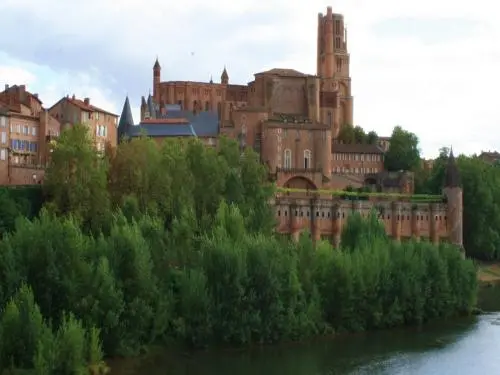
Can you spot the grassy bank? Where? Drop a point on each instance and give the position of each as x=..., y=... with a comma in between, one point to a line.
x=488, y=272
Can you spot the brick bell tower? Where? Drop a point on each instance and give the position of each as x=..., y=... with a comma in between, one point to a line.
x=333, y=69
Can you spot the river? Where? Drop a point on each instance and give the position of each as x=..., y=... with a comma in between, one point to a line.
x=461, y=346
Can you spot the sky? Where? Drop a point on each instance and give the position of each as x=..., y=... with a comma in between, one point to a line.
x=431, y=66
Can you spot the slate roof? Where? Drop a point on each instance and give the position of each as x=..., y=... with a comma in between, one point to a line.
x=175, y=123
x=162, y=130
x=205, y=124
x=452, y=176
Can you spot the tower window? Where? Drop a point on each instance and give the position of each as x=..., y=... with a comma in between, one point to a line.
x=288, y=159
x=307, y=159
x=337, y=43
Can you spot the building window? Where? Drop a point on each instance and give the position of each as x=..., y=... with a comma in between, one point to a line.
x=207, y=106
x=4, y=138
x=243, y=129
x=3, y=122
x=288, y=159
x=337, y=43
x=97, y=116
x=33, y=131
x=330, y=118
x=219, y=109
x=307, y=159
x=3, y=154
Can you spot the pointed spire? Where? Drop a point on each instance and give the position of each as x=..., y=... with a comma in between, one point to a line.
x=151, y=107
x=452, y=175
x=126, y=119
x=211, y=79
x=224, y=78
x=157, y=64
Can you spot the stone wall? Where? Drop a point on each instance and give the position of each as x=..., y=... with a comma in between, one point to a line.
x=324, y=218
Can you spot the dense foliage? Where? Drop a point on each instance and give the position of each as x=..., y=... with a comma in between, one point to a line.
x=403, y=153
x=356, y=134
x=481, y=198
x=181, y=249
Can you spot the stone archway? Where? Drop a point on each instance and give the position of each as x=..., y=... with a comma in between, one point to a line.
x=300, y=182
x=371, y=182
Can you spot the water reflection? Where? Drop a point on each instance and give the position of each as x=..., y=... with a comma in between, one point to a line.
x=464, y=346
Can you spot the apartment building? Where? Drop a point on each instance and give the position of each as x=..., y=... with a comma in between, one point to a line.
x=26, y=129
x=103, y=124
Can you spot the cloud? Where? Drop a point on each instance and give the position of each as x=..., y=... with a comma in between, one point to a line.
x=430, y=66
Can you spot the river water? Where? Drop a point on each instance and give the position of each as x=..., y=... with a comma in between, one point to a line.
x=460, y=346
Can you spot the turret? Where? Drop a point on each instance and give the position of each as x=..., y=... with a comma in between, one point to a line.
x=144, y=108
x=453, y=191
x=126, y=121
x=150, y=111
x=156, y=77
x=224, y=78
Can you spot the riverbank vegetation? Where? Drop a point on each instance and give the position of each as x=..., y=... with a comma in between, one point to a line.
x=481, y=200
x=175, y=244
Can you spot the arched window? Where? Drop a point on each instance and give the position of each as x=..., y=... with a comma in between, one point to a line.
x=307, y=159
x=243, y=129
x=288, y=159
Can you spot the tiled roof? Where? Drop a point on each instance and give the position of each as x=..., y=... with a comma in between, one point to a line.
x=285, y=72
x=168, y=120
x=205, y=124
x=84, y=107
x=356, y=148
x=88, y=107
x=162, y=130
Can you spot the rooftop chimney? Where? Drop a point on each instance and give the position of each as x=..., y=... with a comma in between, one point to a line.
x=73, y=97
x=6, y=87
x=86, y=101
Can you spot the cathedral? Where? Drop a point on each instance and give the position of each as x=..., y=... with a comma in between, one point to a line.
x=292, y=120
x=289, y=117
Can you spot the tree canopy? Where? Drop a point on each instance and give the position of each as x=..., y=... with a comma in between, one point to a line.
x=356, y=134
x=403, y=153
x=481, y=200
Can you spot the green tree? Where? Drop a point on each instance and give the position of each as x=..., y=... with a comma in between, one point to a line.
x=372, y=138
x=136, y=168
x=403, y=153
x=359, y=135
x=481, y=201
x=75, y=181
x=347, y=134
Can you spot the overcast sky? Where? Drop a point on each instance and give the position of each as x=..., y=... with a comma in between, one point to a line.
x=431, y=66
